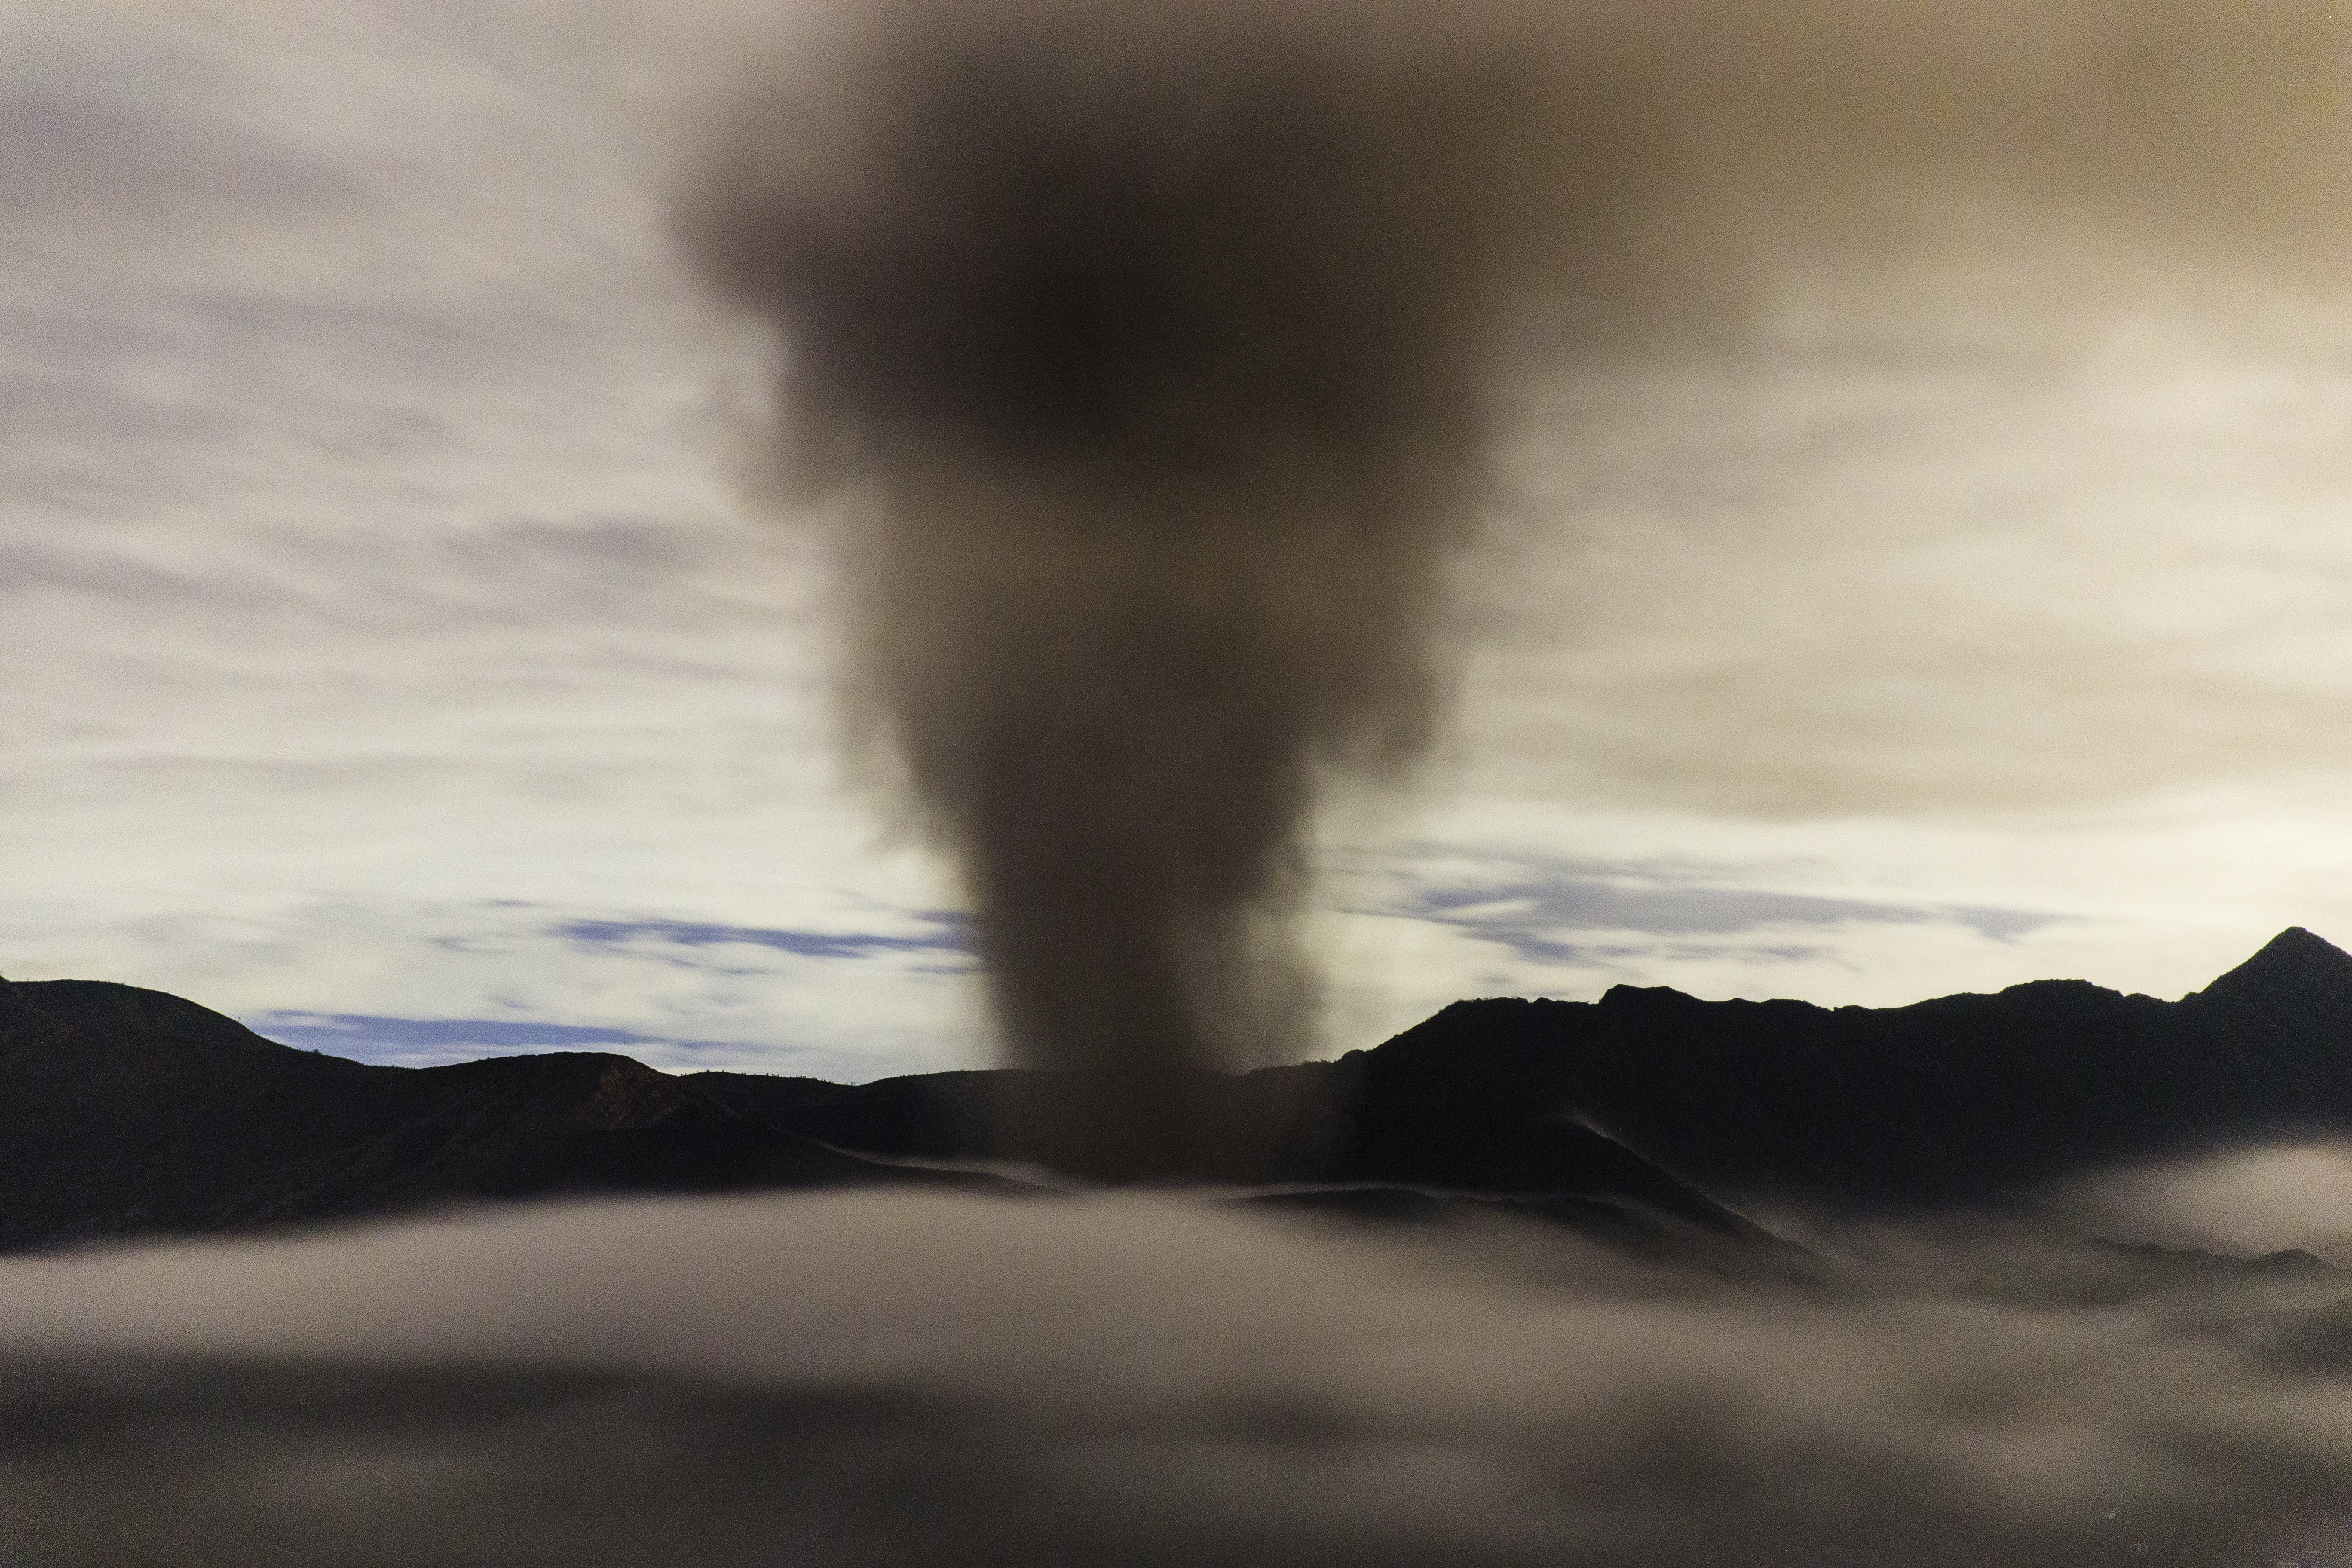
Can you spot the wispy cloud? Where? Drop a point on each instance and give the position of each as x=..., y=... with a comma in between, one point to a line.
x=949, y=934
x=1531, y=906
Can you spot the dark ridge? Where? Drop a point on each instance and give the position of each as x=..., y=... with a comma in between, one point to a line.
x=2294, y=966
x=127, y=1112
x=16, y=1007
x=1379, y=1117
x=1963, y=1100
x=2276, y=1015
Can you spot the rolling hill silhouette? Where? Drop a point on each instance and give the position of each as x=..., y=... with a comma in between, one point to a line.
x=125, y=1112
x=1962, y=1100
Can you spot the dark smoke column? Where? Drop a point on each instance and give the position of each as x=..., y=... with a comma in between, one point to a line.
x=1143, y=347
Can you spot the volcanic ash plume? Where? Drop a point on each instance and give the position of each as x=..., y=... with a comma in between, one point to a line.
x=1149, y=355
x=1148, y=348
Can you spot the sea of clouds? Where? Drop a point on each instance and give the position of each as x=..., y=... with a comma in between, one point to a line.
x=888, y=1378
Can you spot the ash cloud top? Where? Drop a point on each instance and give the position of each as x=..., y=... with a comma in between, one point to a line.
x=1150, y=355
x=1149, y=344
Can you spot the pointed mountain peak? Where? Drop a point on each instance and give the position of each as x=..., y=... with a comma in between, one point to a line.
x=2297, y=952
x=2293, y=961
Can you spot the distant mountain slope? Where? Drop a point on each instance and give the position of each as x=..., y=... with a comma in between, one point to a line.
x=126, y=1111
x=1324, y=1123
x=1959, y=1099
x=1962, y=1100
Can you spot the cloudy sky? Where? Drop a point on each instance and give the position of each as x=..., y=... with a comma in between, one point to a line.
x=388, y=658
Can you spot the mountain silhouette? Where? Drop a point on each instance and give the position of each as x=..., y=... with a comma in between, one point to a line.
x=1967, y=1099
x=129, y=1112
x=1963, y=1100
x=125, y=1112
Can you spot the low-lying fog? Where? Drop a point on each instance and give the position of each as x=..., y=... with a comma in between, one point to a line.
x=884, y=1378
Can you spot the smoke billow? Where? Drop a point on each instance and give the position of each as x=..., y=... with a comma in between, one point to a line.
x=1152, y=351
x=1153, y=344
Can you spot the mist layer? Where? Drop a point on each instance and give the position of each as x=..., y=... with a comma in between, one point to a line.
x=881, y=1379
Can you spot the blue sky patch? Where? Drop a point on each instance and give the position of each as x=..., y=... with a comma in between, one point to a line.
x=1529, y=914
x=951, y=934
x=376, y=1037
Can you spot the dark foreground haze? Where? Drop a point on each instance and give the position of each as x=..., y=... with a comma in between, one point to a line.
x=881, y=1379
x=1152, y=352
